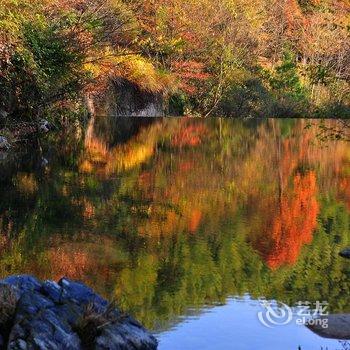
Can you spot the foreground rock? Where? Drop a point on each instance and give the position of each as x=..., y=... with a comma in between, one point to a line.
x=338, y=327
x=64, y=315
x=345, y=253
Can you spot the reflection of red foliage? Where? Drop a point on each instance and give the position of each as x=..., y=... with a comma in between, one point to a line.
x=189, y=135
x=344, y=187
x=294, y=225
x=186, y=166
x=195, y=220
x=145, y=178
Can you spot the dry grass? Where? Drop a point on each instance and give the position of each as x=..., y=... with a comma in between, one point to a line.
x=90, y=325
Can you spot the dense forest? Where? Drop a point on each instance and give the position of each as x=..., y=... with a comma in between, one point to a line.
x=200, y=57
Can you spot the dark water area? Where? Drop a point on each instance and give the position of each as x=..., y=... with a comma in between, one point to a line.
x=186, y=223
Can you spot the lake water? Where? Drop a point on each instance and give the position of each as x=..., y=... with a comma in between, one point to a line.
x=188, y=223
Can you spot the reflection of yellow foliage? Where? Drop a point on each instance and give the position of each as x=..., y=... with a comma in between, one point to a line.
x=161, y=222
x=26, y=183
x=136, y=286
x=117, y=159
x=85, y=166
x=12, y=258
x=102, y=159
x=133, y=156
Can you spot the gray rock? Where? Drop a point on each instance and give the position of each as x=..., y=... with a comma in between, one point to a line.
x=81, y=295
x=4, y=144
x=337, y=327
x=52, y=290
x=345, y=253
x=48, y=315
x=126, y=335
x=24, y=283
x=44, y=126
x=39, y=325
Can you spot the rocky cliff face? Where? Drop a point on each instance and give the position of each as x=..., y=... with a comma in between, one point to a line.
x=134, y=102
x=126, y=99
x=64, y=315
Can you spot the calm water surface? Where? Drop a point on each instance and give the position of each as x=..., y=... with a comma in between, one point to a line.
x=187, y=223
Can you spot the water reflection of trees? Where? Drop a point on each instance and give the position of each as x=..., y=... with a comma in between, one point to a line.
x=336, y=130
x=292, y=224
x=231, y=209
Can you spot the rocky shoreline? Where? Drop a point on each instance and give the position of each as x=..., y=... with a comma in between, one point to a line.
x=64, y=315
x=337, y=326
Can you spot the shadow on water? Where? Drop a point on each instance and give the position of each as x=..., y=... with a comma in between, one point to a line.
x=120, y=130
